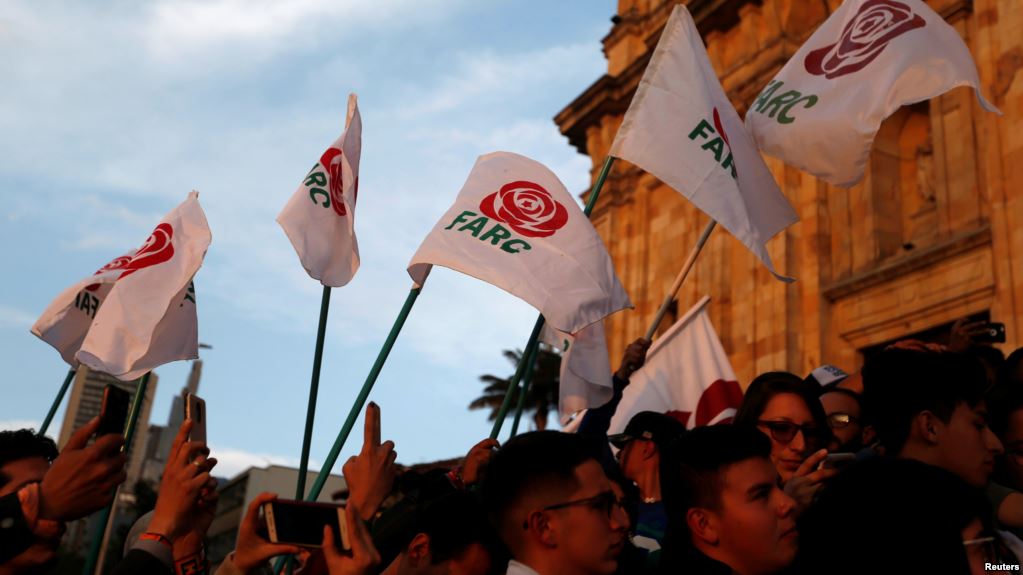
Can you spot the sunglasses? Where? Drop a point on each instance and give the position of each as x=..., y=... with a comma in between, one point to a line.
x=785, y=431
x=840, y=420
x=604, y=502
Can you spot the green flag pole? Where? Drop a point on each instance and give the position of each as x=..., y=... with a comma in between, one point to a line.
x=314, y=387
x=527, y=378
x=680, y=278
x=534, y=338
x=57, y=401
x=129, y=434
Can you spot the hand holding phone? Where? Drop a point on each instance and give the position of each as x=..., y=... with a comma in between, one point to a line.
x=113, y=411
x=195, y=410
x=301, y=523
x=837, y=460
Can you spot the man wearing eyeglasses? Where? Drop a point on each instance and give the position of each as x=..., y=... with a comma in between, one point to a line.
x=553, y=506
x=845, y=418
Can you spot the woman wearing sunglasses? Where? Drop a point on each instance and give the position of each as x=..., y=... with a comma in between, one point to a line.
x=786, y=409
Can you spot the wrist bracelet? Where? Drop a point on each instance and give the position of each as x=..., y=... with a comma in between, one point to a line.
x=153, y=536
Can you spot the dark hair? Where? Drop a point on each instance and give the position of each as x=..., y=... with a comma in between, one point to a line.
x=453, y=522
x=533, y=462
x=767, y=385
x=22, y=444
x=901, y=514
x=692, y=472
x=1008, y=374
x=898, y=384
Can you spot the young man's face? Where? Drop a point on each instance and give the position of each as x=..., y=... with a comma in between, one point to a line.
x=850, y=436
x=755, y=525
x=1012, y=440
x=17, y=474
x=587, y=538
x=968, y=446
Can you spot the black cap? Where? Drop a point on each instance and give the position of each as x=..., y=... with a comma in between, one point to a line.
x=657, y=427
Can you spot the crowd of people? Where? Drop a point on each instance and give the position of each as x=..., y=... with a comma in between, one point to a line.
x=915, y=464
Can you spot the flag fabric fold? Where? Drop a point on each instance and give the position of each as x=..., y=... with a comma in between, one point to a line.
x=682, y=128
x=585, y=376
x=514, y=225
x=319, y=219
x=148, y=317
x=686, y=374
x=821, y=112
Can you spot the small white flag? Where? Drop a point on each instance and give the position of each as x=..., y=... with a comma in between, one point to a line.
x=148, y=318
x=686, y=375
x=822, y=110
x=514, y=225
x=585, y=377
x=319, y=219
x=682, y=129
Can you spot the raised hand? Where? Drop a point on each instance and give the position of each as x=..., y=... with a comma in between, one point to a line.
x=82, y=479
x=477, y=460
x=253, y=549
x=370, y=475
x=808, y=480
x=185, y=477
x=364, y=557
x=634, y=358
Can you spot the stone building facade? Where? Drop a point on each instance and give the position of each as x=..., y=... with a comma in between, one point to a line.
x=933, y=233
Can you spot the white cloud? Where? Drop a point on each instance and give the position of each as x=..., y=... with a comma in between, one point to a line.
x=15, y=424
x=16, y=318
x=231, y=462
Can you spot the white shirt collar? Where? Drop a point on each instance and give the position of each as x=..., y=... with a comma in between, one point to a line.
x=516, y=568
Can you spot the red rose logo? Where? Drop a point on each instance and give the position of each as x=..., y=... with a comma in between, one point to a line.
x=527, y=208
x=876, y=24
x=117, y=263
x=331, y=160
x=157, y=249
x=720, y=396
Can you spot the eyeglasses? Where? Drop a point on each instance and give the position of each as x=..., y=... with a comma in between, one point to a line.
x=840, y=420
x=785, y=431
x=604, y=502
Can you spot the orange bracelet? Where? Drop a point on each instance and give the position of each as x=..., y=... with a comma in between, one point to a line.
x=151, y=536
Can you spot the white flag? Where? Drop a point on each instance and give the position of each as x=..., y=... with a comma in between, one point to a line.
x=319, y=219
x=682, y=129
x=515, y=225
x=66, y=320
x=822, y=110
x=585, y=377
x=686, y=374
x=147, y=319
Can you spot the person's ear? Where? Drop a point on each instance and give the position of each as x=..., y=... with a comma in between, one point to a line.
x=539, y=528
x=703, y=525
x=927, y=427
x=868, y=435
x=419, y=550
x=649, y=449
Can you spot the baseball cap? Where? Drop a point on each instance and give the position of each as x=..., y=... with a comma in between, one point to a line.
x=826, y=375
x=657, y=427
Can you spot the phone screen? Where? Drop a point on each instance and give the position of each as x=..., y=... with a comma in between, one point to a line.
x=300, y=523
x=114, y=411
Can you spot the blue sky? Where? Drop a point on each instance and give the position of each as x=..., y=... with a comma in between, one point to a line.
x=112, y=112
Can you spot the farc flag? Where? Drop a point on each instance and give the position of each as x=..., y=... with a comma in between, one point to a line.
x=515, y=225
x=67, y=319
x=686, y=374
x=585, y=377
x=148, y=318
x=682, y=129
x=822, y=110
x=319, y=219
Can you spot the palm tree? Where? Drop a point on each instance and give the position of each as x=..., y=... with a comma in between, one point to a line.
x=542, y=396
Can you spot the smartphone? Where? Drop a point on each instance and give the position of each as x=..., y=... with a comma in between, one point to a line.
x=113, y=411
x=301, y=523
x=837, y=460
x=195, y=410
x=994, y=332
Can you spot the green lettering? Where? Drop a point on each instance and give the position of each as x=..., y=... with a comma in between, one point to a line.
x=476, y=226
x=460, y=218
x=515, y=246
x=495, y=235
x=190, y=294
x=765, y=95
x=808, y=102
x=701, y=130
x=728, y=164
x=717, y=145
x=779, y=101
x=316, y=179
x=313, y=192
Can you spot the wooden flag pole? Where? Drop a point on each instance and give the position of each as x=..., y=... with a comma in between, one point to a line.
x=686, y=268
x=534, y=338
x=104, y=516
x=527, y=378
x=57, y=401
x=314, y=387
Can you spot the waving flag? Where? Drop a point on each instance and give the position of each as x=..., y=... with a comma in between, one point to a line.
x=822, y=110
x=319, y=219
x=686, y=374
x=682, y=129
x=585, y=377
x=514, y=225
x=148, y=316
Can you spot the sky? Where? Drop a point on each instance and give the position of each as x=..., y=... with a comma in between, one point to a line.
x=110, y=113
